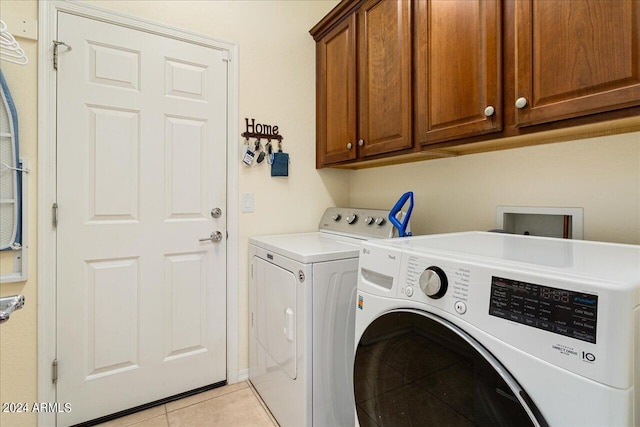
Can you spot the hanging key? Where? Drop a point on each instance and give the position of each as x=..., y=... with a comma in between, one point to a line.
x=269, y=150
x=247, y=159
x=262, y=154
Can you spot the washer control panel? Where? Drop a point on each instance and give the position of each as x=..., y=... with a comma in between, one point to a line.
x=561, y=311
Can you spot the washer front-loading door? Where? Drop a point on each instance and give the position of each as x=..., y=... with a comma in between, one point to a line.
x=414, y=368
x=275, y=314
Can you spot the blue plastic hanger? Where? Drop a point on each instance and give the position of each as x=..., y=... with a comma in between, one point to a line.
x=402, y=226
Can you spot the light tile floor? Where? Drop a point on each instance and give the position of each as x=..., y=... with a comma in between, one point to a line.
x=231, y=405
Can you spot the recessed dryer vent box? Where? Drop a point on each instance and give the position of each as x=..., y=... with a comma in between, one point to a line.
x=541, y=221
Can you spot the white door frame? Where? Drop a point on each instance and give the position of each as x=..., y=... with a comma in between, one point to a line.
x=47, y=111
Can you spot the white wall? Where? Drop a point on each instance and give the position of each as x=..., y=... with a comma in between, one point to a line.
x=601, y=175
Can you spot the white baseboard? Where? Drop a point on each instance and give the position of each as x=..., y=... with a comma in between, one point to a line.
x=243, y=375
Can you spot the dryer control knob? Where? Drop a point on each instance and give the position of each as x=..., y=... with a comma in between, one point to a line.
x=368, y=220
x=336, y=217
x=380, y=220
x=352, y=218
x=433, y=282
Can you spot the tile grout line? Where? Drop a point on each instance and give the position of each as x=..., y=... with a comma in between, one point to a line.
x=264, y=405
x=206, y=400
x=166, y=410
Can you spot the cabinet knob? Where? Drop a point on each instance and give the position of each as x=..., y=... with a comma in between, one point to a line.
x=360, y=142
x=349, y=145
x=521, y=102
x=489, y=111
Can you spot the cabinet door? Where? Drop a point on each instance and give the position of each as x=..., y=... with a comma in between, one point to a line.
x=457, y=69
x=575, y=57
x=336, y=92
x=384, y=76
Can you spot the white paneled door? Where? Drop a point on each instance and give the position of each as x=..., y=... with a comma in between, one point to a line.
x=141, y=164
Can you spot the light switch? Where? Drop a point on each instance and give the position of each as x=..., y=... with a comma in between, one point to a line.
x=247, y=202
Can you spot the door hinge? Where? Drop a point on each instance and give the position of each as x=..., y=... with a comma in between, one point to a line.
x=54, y=215
x=56, y=44
x=54, y=371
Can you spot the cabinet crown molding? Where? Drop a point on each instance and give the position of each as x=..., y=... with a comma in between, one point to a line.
x=342, y=9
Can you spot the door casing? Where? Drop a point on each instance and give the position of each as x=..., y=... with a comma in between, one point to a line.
x=47, y=109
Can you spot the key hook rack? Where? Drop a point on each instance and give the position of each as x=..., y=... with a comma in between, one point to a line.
x=261, y=131
x=267, y=136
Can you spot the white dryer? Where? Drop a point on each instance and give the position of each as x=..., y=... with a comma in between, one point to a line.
x=301, y=299
x=497, y=330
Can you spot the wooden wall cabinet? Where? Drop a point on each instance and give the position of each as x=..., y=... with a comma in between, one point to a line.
x=384, y=77
x=364, y=83
x=399, y=79
x=575, y=58
x=457, y=69
x=336, y=94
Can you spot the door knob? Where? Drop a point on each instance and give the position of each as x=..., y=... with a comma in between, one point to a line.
x=360, y=142
x=216, y=236
x=349, y=145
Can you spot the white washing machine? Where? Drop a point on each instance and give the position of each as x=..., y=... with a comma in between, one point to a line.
x=497, y=330
x=301, y=300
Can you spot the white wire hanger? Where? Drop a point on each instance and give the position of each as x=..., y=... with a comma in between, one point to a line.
x=5, y=167
x=10, y=49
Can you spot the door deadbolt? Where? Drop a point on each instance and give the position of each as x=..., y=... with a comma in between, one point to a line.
x=216, y=212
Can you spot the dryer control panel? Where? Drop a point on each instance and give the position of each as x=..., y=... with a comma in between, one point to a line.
x=360, y=223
